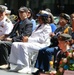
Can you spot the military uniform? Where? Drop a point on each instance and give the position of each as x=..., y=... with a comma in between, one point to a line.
x=6, y=26
x=62, y=54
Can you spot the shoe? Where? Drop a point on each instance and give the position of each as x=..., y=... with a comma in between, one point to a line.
x=28, y=70
x=36, y=73
x=25, y=70
x=19, y=67
x=33, y=69
x=6, y=66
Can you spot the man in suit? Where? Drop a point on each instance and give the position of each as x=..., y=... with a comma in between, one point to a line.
x=22, y=29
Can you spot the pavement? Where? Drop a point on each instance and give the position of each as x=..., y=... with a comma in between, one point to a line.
x=6, y=72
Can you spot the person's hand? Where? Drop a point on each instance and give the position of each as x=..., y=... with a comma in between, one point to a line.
x=25, y=39
x=8, y=39
x=61, y=69
x=52, y=34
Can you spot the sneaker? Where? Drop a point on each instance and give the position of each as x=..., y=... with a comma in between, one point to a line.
x=28, y=70
x=25, y=70
x=5, y=66
x=19, y=67
x=36, y=73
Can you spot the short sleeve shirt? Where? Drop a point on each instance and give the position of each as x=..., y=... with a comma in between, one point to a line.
x=6, y=26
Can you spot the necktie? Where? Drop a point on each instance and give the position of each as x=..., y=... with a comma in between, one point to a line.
x=38, y=27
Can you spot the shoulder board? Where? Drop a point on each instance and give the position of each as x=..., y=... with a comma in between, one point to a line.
x=7, y=20
x=67, y=29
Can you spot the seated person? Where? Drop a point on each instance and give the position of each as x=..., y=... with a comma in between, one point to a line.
x=51, y=22
x=20, y=51
x=30, y=17
x=22, y=29
x=64, y=28
x=64, y=46
x=45, y=55
x=64, y=22
x=65, y=57
x=6, y=27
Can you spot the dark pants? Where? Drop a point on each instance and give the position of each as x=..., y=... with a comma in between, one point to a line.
x=44, y=57
x=5, y=48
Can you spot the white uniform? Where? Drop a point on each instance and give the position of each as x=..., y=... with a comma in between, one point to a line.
x=6, y=26
x=20, y=51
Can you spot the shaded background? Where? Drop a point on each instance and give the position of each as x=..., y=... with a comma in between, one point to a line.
x=56, y=6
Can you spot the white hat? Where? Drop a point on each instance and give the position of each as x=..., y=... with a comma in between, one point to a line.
x=3, y=6
x=8, y=11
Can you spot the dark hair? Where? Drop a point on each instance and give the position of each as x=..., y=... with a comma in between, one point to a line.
x=52, y=18
x=23, y=8
x=44, y=19
x=31, y=12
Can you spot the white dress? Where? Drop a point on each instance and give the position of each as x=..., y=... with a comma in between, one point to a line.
x=20, y=51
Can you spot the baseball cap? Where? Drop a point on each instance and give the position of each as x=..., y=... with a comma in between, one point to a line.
x=64, y=37
x=23, y=9
x=65, y=16
x=43, y=13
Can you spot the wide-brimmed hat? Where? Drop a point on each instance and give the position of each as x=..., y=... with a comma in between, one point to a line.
x=43, y=13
